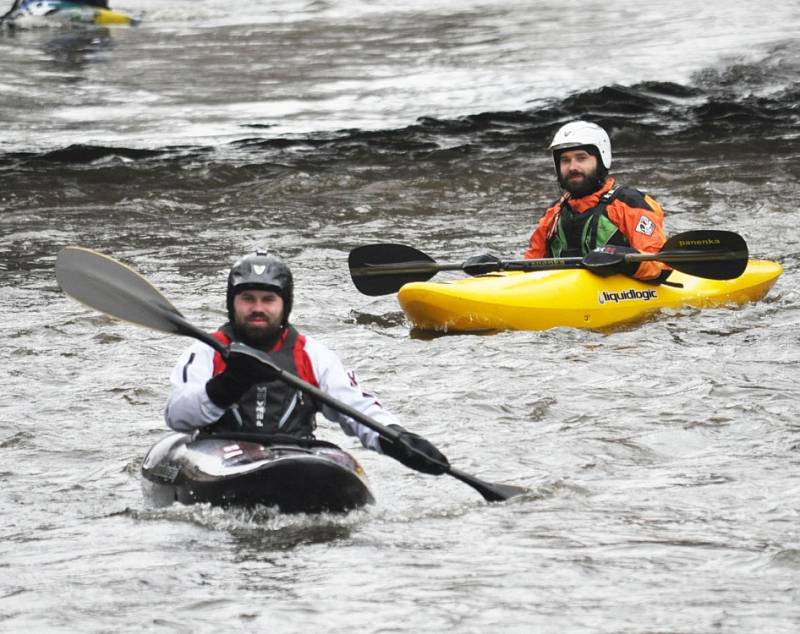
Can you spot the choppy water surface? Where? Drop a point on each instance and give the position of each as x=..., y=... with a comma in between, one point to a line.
x=662, y=460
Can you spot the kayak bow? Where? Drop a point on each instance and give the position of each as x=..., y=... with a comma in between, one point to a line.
x=226, y=470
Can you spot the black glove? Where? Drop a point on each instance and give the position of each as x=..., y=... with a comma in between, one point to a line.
x=480, y=264
x=403, y=450
x=610, y=260
x=242, y=371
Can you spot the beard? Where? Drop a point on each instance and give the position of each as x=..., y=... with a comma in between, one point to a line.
x=580, y=187
x=261, y=337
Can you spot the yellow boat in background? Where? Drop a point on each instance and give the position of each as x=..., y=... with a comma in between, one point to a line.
x=108, y=17
x=576, y=298
x=30, y=14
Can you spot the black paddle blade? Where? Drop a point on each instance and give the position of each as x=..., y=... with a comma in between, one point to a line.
x=491, y=491
x=110, y=287
x=380, y=269
x=711, y=254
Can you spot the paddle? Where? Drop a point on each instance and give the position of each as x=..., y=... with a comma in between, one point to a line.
x=106, y=285
x=380, y=269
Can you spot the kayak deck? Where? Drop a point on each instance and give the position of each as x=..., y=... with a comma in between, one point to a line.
x=308, y=478
x=573, y=298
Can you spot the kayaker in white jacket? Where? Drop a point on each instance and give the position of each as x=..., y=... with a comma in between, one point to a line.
x=243, y=394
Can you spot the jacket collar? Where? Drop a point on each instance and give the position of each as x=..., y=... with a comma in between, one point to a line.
x=579, y=205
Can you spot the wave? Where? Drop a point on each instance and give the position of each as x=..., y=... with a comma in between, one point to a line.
x=743, y=102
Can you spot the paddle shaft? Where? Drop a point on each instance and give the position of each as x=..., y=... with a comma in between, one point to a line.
x=490, y=492
x=545, y=264
x=189, y=330
x=668, y=257
x=380, y=269
x=106, y=285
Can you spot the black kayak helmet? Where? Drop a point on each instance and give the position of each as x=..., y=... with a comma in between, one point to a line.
x=260, y=270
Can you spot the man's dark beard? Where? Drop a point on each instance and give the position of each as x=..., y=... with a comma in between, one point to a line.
x=257, y=337
x=589, y=185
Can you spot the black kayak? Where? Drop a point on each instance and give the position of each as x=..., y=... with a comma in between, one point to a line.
x=245, y=470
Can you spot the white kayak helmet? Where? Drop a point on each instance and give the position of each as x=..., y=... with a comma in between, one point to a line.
x=582, y=133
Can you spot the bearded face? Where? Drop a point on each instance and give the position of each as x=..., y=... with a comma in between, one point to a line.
x=578, y=172
x=257, y=317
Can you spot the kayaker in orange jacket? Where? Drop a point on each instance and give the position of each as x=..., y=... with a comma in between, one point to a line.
x=594, y=212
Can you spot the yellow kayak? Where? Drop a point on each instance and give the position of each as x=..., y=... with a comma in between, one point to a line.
x=575, y=298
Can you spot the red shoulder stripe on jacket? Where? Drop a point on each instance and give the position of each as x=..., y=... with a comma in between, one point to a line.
x=305, y=370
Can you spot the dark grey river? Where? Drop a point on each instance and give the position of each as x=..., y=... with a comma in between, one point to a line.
x=663, y=460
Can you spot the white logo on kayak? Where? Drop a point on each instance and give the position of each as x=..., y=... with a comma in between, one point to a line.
x=645, y=226
x=605, y=297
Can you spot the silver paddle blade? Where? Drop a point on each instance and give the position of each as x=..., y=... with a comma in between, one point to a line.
x=104, y=284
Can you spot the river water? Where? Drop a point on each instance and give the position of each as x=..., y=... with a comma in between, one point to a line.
x=662, y=460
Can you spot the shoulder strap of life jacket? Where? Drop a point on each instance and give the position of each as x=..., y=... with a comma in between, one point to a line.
x=598, y=212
